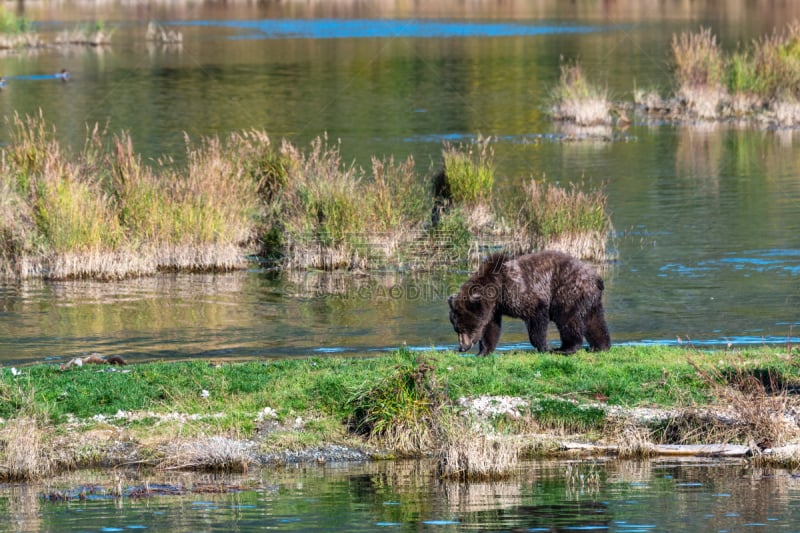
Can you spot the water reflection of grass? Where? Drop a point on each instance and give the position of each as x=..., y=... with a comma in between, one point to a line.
x=104, y=213
x=158, y=413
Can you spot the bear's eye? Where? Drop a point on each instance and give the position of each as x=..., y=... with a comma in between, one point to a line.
x=453, y=322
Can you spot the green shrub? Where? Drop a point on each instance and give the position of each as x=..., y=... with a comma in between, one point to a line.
x=10, y=23
x=468, y=173
x=402, y=410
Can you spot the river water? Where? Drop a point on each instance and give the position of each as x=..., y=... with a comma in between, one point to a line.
x=707, y=225
x=547, y=496
x=707, y=218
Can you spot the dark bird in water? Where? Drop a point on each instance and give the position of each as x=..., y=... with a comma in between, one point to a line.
x=2, y=83
x=63, y=75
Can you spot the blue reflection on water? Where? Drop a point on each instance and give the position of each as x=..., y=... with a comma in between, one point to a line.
x=35, y=77
x=367, y=28
x=782, y=261
x=719, y=342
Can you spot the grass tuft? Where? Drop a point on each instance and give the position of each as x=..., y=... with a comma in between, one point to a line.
x=402, y=410
x=577, y=100
x=22, y=455
x=567, y=219
x=468, y=173
x=469, y=454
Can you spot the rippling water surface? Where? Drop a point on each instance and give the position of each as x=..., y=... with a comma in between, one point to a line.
x=549, y=496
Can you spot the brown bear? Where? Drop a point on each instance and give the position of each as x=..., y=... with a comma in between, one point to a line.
x=537, y=288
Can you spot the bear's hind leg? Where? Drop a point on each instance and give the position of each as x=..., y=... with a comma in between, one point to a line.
x=571, y=336
x=491, y=335
x=597, y=331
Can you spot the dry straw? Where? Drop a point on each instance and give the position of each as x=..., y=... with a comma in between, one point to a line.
x=215, y=453
x=467, y=453
x=23, y=456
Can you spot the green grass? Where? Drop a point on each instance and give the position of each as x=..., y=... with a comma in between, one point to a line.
x=628, y=376
x=11, y=23
x=469, y=173
x=403, y=402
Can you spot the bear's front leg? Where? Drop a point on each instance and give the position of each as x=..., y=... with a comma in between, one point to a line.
x=491, y=335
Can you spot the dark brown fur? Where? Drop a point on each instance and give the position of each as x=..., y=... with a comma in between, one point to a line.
x=537, y=288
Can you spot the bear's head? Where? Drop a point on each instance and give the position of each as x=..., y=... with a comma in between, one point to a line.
x=470, y=312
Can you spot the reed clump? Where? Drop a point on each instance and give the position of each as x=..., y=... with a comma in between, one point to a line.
x=103, y=213
x=467, y=452
x=567, y=219
x=576, y=99
x=699, y=71
x=22, y=455
x=331, y=215
x=758, y=81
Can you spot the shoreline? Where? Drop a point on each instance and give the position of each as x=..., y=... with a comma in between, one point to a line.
x=634, y=403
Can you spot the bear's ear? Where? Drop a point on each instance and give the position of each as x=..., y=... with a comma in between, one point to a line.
x=450, y=300
x=475, y=294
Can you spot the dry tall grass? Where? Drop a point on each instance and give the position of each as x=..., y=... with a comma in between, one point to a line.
x=22, y=457
x=566, y=219
x=104, y=214
x=577, y=100
x=634, y=439
x=699, y=71
x=334, y=215
x=752, y=412
x=467, y=453
x=215, y=453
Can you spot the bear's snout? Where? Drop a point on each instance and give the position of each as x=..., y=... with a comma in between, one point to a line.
x=464, y=342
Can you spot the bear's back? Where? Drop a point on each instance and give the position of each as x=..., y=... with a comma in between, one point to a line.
x=552, y=272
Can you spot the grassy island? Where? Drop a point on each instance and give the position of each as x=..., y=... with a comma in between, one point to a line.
x=476, y=415
x=757, y=83
x=103, y=213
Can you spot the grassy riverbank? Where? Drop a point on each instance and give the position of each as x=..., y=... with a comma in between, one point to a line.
x=103, y=213
x=232, y=415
